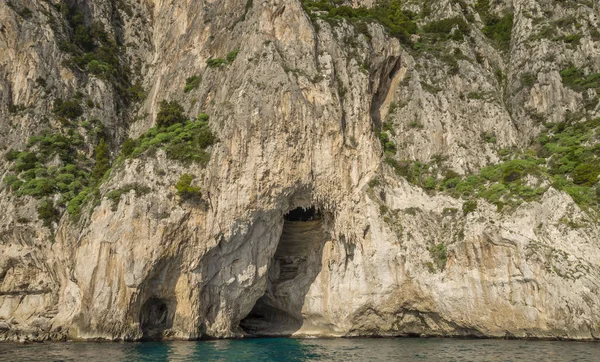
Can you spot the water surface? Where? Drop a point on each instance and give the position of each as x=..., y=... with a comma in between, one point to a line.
x=280, y=349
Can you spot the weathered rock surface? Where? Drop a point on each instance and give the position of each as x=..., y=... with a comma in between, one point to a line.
x=295, y=114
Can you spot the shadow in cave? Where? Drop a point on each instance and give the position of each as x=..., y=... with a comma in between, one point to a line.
x=155, y=318
x=294, y=267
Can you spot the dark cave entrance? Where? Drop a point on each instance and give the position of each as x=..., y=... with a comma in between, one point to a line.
x=294, y=267
x=155, y=318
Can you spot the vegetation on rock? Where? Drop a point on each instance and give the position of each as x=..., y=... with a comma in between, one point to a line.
x=70, y=109
x=439, y=255
x=185, y=189
x=102, y=163
x=219, y=62
x=21, y=10
x=115, y=195
x=576, y=79
x=451, y=28
x=399, y=22
x=183, y=139
x=496, y=28
x=170, y=113
x=192, y=83
x=565, y=156
x=55, y=166
x=96, y=52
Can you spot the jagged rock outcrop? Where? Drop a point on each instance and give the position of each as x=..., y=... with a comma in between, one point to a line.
x=298, y=110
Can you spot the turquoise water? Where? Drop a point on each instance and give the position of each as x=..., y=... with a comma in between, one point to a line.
x=280, y=349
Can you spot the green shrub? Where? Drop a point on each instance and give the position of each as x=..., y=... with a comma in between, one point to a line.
x=203, y=117
x=232, y=55
x=102, y=163
x=495, y=193
x=374, y=182
x=185, y=189
x=439, y=255
x=95, y=51
x=69, y=109
x=586, y=174
x=489, y=137
x=388, y=126
x=415, y=124
x=215, y=62
x=12, y=182
x=192, y=83
x=184, y=142
x=401, y=168
x=74, y=205
x=389, y=147
x=11, y=155
x=528, y=79
x=47, y=212
x=575, y=79
x=511, y=173
x=25, y=161
x=170, y=113
x=392, y=108
x=390, y=13
x=475, y=95
x=37, y=175
x=128, y=147
x=499, y=29
x=430, y=183
x=469, y=206
x=451, y=183
x=444, y=27
x=571, y=75
x=136, y=92
x=483, y=7
x=219, y=62
x=574, y=39
x=21, y=10
x=383, y=137
x=37, y=187
x=115, y=195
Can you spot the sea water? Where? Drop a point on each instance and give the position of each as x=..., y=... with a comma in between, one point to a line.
x=287, y=349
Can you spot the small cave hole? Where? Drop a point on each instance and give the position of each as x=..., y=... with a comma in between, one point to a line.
x=155, y=318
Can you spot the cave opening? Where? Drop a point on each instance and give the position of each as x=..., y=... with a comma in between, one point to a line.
x=292, y=270
x=155, y=318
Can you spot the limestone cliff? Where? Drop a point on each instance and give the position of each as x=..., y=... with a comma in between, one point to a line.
x=356, y=169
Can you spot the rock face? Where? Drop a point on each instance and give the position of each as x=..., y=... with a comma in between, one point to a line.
x=302, y=228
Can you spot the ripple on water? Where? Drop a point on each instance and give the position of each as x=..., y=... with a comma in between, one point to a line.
x=281, y=349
